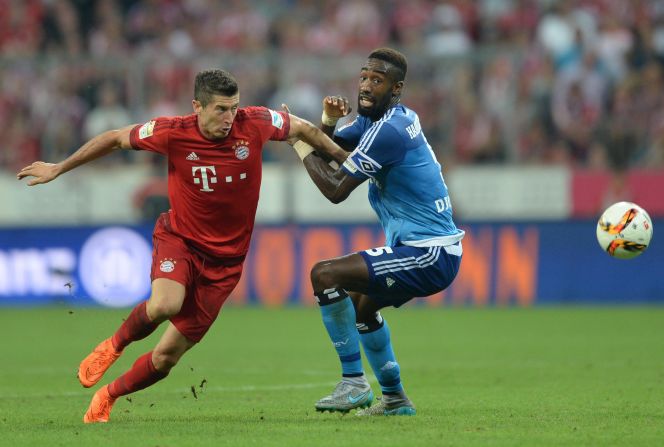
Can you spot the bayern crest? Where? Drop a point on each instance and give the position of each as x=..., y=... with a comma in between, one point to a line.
x=167, y=265
x=241, y=150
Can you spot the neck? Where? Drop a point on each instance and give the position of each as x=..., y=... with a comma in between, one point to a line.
x=395, y=100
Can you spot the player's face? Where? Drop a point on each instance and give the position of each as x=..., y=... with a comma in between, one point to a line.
x=216, y=118
x=376, y=89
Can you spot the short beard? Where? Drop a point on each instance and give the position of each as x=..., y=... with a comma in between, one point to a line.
x=375, y=112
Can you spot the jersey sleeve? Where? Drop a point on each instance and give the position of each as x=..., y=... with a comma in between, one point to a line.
x=378, y=149
x=271, y=124
x=151, y=136
x=349, y=133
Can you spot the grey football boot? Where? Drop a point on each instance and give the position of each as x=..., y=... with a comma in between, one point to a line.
x=398, y=405
x=345, y=397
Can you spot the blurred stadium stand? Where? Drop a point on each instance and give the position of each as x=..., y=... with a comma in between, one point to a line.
x=577, y=84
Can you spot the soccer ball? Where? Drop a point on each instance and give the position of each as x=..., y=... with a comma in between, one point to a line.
x=624, y=230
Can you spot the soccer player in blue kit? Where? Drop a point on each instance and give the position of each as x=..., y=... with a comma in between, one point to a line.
x=423, y=245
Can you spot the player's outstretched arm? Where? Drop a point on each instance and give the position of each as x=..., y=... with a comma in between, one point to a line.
x=301, y=129
x=98, y=146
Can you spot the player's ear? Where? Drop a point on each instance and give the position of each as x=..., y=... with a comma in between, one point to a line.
x=198, y=107
x=396, y=88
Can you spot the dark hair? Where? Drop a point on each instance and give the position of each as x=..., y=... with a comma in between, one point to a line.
x=213, y=82
x=394, y=58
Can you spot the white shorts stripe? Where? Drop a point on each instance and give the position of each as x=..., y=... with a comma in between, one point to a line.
x=401, y=269
x=408, y=259
x=435, y=254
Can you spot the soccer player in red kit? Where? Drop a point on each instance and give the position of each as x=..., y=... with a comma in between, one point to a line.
x=214, y=177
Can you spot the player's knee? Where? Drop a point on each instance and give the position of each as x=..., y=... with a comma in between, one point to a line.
x=323, y=276
x=368, y=322
x=164, y=361
x=162, y=308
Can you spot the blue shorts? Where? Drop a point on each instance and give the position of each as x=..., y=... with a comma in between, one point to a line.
x=399, y=274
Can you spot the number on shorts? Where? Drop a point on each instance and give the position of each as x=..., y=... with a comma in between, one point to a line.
x=379, y=251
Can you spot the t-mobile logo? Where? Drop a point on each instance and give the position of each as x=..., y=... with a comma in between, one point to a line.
x=204, y=177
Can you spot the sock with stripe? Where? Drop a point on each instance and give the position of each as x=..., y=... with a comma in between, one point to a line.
x=378, y=349
x=141, y=375
x=338, y=315
x=137, y=326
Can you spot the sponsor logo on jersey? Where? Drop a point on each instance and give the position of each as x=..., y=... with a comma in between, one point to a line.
x=277, y=120
x=389, y=281
x=192, y=156
x=207, y=177
x=146, y=130
x=167, y=265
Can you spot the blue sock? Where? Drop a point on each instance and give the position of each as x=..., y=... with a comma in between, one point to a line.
x=339, y=320
x=378, y=349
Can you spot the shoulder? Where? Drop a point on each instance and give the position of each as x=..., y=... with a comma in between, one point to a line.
x=262, y=117
x=404, y=122
x=251, y=113
x=174, y=122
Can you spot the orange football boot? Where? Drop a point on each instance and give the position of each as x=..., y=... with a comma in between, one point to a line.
x=93, y=367
x=100, y=407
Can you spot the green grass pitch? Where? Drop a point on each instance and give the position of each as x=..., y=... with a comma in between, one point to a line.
x=492, y=377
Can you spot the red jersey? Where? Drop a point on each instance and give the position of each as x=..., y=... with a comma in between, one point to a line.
x=213, y=185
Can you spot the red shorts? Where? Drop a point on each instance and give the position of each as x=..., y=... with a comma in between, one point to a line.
x=207, y=281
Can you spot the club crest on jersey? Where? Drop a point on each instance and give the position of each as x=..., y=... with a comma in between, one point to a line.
x=167, y=265
x=146, y=130
x=241, y=149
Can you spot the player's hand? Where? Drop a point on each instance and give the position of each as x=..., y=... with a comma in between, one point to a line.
x=336, y=106
x=42, y=172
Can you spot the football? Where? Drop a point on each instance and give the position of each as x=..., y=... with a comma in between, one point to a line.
x=624, y=230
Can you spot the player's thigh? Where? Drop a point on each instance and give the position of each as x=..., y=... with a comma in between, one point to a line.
x=166, y=298
x=397, y=274
x=171, y=347
x=207, y=295
x=349, y=272
x=171, y=273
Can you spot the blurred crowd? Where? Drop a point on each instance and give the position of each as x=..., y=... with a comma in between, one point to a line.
x=575, y=82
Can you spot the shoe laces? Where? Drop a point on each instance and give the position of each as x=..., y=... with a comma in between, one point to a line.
x=103, y=357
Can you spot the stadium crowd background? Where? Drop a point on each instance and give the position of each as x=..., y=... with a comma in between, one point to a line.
x=576, y=82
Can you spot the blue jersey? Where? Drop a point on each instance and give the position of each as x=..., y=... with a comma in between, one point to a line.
x=407, y=190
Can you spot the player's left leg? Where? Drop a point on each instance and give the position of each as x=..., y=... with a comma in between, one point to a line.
x=150, y=368
x=375, y=338
x=165, y=301
x=329, y=279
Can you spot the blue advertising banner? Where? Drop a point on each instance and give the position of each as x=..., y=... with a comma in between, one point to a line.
x=520, y=264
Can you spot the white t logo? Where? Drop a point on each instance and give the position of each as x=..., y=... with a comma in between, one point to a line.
x=204, y=177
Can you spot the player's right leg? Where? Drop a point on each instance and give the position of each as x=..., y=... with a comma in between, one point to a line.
x=150, y=368
x=165, y=301
x=338, y=317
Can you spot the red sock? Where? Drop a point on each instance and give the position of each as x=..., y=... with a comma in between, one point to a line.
x=137, y=326
x=141, y=375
